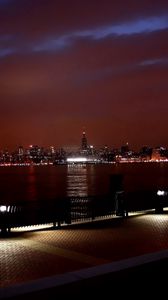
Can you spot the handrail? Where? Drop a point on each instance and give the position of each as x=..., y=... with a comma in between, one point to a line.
x=74, y=209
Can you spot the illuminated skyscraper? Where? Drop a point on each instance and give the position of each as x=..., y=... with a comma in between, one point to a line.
x=84, y=144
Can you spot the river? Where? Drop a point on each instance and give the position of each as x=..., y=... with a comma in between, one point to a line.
x=48, y=182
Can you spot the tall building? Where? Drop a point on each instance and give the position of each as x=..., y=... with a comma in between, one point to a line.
x=84, y=144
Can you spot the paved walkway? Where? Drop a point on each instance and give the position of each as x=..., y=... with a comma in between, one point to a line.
x=33, y=259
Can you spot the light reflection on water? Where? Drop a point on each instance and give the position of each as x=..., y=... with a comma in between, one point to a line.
x=31, y=183
x=49, y=182
x=77, y=180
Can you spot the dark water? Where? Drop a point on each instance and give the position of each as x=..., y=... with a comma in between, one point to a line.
x=48, y=182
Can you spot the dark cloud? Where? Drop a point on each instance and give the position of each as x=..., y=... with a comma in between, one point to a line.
x=69, y=64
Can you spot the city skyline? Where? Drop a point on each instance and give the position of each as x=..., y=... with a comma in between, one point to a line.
x=83, y=144
x=98, y=65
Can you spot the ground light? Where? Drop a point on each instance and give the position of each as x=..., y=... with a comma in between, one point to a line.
x=3, y=208
x=161, y=193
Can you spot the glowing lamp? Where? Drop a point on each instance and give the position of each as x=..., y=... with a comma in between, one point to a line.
x=161, y=193
x=3, y=208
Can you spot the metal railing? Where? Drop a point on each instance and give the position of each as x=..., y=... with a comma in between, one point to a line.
x=68, y=210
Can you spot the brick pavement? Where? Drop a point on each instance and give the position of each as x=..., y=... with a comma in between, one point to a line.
x=32, y=255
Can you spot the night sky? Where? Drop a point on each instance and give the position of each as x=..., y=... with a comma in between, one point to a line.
x=72, y=64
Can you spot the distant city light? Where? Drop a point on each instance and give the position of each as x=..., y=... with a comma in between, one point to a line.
x=86, y=153
x=76, y=159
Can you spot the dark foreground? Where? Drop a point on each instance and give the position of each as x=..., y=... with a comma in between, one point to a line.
x=145, y=280
x=118, y=256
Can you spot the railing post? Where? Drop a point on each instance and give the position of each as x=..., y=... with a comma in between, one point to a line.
x=93, y=208
x=120, y=204
x=117, y=193
x=68, y=210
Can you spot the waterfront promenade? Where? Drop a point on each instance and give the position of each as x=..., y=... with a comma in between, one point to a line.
x=104, y=256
